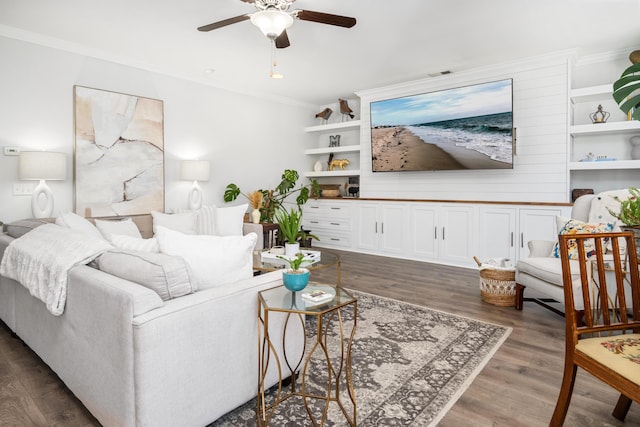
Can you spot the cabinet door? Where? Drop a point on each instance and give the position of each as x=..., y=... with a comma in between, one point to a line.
x=424, y=232
x=368, y=227
x=536, y=224
x=497, y=233
x=391, y=228
x=457, y=242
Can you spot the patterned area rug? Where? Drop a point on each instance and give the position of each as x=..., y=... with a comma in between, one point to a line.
x=410, y=365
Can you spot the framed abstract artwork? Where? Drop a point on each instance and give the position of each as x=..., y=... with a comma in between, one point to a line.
x=119, y=153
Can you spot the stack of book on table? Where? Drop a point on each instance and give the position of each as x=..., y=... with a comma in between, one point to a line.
x=316, y=296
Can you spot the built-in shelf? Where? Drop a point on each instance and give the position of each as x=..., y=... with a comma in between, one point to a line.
x=325, y=174
x=590, y=94
x=327, y=150
x=606, y=165
x=605, y=128
x=353, y=124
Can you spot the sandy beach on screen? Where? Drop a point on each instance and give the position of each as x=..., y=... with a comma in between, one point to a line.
x=396, y=148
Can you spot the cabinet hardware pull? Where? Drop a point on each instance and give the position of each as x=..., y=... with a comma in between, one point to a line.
x=314, y=207
x=335, y=209
x=334, y=223
x=442, y=233
x=435, y=233
x=382, y=225
x=512, y=239
x=313, y=222
x=522, y=240
x=334, y=239
x=376, y=227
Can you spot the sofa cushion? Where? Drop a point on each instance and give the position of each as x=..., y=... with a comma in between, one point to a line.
x=129, y=243
x=122, y=226
x=182, y=222
x=214, y=260
x=215, y=221
x=548, y=269
x=604, y=201
x=20, y=228
x=168, y=276
x=78, y=223
x=573, y=226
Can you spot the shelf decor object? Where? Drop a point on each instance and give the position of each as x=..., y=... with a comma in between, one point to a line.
x=195, y=170
x=41, y=166
x=599, y=116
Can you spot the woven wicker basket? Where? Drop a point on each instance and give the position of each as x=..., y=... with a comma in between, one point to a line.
x=497, y=287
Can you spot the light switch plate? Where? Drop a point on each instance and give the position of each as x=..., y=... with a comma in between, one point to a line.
x=11, y=151
x=22, y=189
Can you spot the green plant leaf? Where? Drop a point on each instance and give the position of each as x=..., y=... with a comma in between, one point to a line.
x=231, y=193
x=626, y=91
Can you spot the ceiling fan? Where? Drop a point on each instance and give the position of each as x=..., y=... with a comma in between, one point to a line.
x=273, y=19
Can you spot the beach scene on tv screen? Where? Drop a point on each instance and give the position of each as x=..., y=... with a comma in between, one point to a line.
x=468, y=127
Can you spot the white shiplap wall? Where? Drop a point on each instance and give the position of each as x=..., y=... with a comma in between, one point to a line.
x=540, y=96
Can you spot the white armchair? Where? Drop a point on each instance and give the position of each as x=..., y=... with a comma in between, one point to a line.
x=542, y=272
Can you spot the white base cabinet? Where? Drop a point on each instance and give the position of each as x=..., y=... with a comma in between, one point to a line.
x=382, y=227
x=446, y=233
x=442, y=233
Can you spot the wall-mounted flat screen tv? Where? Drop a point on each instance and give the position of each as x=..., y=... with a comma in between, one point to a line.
x=468, y=127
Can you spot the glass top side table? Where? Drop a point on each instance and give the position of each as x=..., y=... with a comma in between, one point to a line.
x=327, y=259
x=331, y=327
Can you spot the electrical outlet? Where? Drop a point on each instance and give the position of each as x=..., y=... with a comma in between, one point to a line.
x=22, y=189
x=11, y=151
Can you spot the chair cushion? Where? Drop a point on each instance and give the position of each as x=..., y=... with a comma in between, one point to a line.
x=621, y=353
x=548, y=269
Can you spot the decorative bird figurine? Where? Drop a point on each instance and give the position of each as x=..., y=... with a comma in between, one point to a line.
x=344, y=109
x=324, y=114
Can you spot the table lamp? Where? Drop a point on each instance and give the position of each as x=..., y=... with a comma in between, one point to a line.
x=41, y=166
x=195, y=170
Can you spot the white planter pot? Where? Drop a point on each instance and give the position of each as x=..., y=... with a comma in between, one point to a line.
x=291, y=249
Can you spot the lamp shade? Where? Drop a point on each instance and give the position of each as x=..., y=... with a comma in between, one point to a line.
x=272, y=22
x=195, y=170
x=39, y=165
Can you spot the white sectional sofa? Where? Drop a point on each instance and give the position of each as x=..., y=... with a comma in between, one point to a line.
x=136, y=360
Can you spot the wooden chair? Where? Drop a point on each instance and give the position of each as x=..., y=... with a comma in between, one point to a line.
x=603, y=337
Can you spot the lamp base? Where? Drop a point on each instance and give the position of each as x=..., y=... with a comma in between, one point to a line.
x=195, y=197
x=42, y=201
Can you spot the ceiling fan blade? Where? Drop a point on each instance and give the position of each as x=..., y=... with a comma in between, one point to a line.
x=282, y=40
x=325, y=18
x=224, y=23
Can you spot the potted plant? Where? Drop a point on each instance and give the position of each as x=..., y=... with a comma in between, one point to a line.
x=290, y=223
x=629, y=215
x=626, y=90
x=295, y=278
x=273, y=199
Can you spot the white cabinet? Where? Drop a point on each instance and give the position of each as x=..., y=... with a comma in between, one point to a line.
x=505, y=232
x=536, y=224
x=382, y=227
x=349, y=148
x=600, y=153
x=330, y=221
x=443, y=233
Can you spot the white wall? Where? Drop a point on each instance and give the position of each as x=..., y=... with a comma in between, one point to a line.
x=248, y=140
x=540, y=96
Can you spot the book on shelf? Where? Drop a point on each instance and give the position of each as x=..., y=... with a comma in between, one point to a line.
x=317, y=296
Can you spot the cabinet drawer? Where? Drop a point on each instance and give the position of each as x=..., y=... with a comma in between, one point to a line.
x=337, y=240
x=322, y=210
x=336, y=224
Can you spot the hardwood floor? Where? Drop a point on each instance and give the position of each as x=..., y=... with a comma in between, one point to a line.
x=518, y=387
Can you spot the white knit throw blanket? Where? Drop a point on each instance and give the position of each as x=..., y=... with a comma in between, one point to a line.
x=41, y=259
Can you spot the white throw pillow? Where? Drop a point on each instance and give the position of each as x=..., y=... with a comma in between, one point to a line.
x=129, y=243
x=228, y=221
x=214, y=260
x=78, y=223
x=183, y=222
x=606, y=200
x=204, y=220
x=123, y=227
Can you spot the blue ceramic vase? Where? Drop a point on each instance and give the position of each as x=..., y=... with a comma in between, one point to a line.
x=295, y=281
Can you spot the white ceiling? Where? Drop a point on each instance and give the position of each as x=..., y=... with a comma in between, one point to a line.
x=394, y=40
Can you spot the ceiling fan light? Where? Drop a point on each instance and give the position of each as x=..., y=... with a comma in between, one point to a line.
x=272, y=22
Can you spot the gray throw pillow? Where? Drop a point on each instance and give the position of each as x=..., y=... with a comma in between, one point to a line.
x=168, y=276
x=20, y=228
